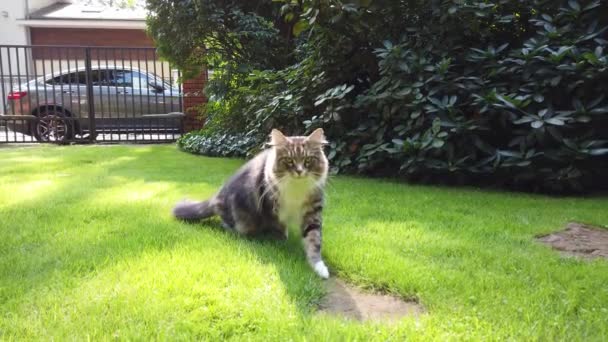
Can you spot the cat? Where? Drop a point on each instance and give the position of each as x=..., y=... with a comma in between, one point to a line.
x=281, y=187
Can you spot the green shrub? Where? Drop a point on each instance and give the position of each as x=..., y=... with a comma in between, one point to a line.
x=508, y=92
x=217, y=145
x=529, y=109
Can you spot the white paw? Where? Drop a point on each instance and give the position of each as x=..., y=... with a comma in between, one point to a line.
x=321, y=270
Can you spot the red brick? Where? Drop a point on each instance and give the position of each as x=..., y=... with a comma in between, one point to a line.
x=193, y=97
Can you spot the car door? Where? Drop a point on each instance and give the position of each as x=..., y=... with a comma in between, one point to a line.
x=113, y=107
x=168, y=94
x=143, y=94
x=123, y=81
x=65, y=91
x=174, y=101
x=151, y=91
x=73, y=92
x=104, y=100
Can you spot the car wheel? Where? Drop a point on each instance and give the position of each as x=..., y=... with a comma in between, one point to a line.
x=52, y=126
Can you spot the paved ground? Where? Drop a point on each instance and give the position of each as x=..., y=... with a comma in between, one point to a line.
x=7, y=136
x=137, y=137
x=11, y=137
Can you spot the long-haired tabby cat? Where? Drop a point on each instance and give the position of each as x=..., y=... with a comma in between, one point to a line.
x=281, y=187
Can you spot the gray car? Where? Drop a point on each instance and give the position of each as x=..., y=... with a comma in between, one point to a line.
x=56, y=107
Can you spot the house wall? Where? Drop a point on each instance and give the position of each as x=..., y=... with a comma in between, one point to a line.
x=13, y=33
x=10, y=31
x=90, y=37
x=34, y=5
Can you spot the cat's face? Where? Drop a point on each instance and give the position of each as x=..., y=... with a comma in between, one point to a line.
x=300, y=157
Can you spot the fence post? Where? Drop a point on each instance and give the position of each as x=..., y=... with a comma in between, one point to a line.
x=90, y=97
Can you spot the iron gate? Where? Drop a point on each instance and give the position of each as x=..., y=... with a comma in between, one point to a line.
x=88, y=94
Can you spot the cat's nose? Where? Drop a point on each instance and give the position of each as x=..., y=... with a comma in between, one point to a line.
x=299, y=170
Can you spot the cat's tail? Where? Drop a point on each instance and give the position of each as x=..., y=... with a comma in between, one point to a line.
x=190, y=211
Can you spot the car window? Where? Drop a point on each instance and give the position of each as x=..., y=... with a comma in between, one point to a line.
x=57, y=80
x=110, y=78
x=120, y=78
x=144, y=81
x=140, y=81
x=73, y=78
x=147, y=79
x=79, y=77
x=104, y=77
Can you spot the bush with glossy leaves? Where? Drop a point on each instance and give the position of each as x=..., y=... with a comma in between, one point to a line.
x=508, y=92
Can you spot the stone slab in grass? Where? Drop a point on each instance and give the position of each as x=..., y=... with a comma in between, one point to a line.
x=350, y=302
x=579, y=240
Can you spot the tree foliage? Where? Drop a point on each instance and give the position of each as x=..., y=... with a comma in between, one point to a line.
x=509, y=92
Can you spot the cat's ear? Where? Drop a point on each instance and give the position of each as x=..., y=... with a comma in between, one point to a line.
x=277, y=138
x=317, y=137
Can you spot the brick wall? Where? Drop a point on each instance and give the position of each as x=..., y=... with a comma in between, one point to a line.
x=193, y=97
x=90, y=37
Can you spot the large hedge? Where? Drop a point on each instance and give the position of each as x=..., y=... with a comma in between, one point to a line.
x=502, y=92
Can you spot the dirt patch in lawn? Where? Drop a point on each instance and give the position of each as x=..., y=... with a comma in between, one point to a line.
x=350, y=302
x=579, y=240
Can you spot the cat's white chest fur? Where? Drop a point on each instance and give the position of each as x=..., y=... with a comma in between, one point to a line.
x=293, y=194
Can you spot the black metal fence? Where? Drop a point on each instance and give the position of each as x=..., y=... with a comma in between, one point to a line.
x=87, y=94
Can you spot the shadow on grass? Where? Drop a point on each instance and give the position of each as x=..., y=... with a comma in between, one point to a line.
x=304, y=287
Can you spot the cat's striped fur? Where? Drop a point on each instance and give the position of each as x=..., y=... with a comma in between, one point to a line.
x=279, y=188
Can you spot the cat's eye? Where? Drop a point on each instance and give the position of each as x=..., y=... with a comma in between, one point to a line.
x=308, y=161
x=288, y=162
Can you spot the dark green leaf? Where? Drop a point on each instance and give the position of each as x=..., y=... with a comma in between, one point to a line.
x=537, y=124
x=507, y=101
x=438, y=143
x=299, y=27
x=525, y=119
x=583, y=119
x=554, y=121
x=598, y=152
x=398, y=142
x=574, y=5
x=599, y=110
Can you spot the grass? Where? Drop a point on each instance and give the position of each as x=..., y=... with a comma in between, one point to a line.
x=88, y=250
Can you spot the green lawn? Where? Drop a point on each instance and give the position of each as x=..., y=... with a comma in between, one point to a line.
x=89, y=250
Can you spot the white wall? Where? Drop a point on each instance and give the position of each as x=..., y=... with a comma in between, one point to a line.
x=10, y=31
x=38, y=4
x=13, y=33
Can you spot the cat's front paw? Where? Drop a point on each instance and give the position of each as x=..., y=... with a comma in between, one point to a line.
x=321, y=270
